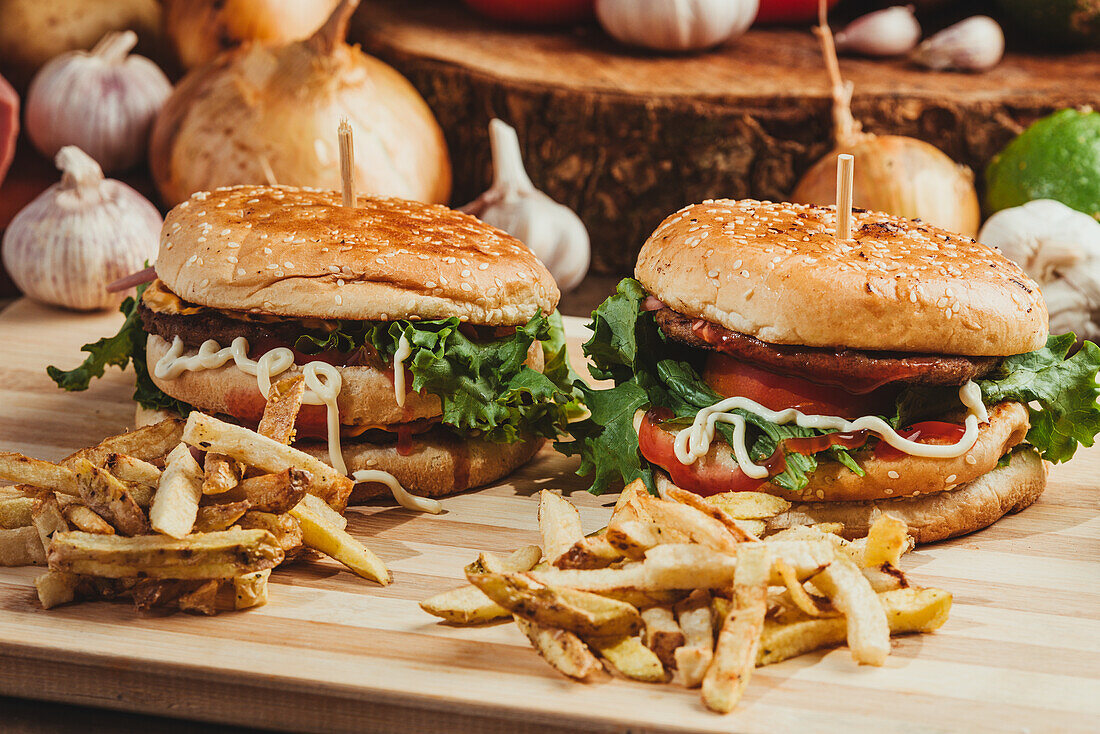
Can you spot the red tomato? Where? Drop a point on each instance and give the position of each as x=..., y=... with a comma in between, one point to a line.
x=934, y=432
x=534, y=12
x=704, y=477
x=789, y=11
x=731, y=377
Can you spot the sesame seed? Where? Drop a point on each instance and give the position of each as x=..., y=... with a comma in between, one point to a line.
x=971, y=460
x=240, y=271
x=893, y=474
x=339, y=300
x=231, y=259
x=951, y=478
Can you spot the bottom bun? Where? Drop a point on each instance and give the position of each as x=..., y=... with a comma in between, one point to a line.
x=439, y=464
x=968, y=507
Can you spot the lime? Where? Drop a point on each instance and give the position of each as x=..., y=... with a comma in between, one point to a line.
x=1058, y=158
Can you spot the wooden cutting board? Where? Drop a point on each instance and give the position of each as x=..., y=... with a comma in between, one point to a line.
x=1021, y=651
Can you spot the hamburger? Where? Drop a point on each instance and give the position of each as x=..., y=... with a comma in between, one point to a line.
x=429, y=340
x=905, y=370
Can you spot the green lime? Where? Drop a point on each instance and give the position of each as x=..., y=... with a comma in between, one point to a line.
x=1058, y=158
x=1059, y=22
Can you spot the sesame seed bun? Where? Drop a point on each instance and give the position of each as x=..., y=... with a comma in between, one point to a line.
x=298, y=253
x=965, y=509
x=777, y=273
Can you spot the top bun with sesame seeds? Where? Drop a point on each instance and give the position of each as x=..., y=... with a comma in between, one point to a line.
x=776, y=272
x=298, y=253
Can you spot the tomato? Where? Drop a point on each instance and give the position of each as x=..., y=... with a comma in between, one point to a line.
x=731, y=377
x=789, y=11
x=934, y=432
x=703, y=477
x=527, y=12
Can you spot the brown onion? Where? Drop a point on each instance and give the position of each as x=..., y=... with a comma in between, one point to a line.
x=202, y=29
x=895, y=174
x=265, y=114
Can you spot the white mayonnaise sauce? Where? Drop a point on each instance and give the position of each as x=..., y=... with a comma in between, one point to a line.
x=399, y=357
x=406, y=500
x=694, y=441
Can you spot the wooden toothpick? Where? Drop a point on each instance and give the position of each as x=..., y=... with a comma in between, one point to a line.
x=845, y=168
x=347, y=163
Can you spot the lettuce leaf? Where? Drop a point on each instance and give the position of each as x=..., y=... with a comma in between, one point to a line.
x=1060, y=392
x=628, y=348
x=128, y=345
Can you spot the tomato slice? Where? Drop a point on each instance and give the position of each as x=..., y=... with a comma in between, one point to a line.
x=731, y=377
x=703, y=478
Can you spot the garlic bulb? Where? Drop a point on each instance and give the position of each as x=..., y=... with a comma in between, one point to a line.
x=102, y=101
x=79, y=235
x=1059, y=248
x=889, y=32
x=974, y=44
x=550, y=230
x=266, y=113
x=895, y=174
x=675, y=25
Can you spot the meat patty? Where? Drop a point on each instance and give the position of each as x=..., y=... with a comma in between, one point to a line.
x=842, y=367
x=194, y=329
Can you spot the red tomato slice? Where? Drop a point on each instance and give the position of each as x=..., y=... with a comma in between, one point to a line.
x=731, y=377
x=703, y=477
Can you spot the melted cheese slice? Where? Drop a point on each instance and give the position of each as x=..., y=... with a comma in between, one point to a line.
x=694, y=441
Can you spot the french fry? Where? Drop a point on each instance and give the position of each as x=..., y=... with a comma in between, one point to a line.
x=749, y=505
x=203, y=599
x=83, y=518
x=21, y=547
x=250, y=590
x=739, y=638
x=318, y=506
x=584, y=613
x=110, y=499
x=220, y=473
x=662, y=634
x=55, y=588
x=148, y=443
x=850, y=592
x=630, y=577
x=565, y=652
x=130, y=469
x=695, y=655
x=887, y=540
x=284, y=401
x=272, y=492
x=286, y=529
x=211, y=434
x=691, y=524
x=907, y=610
x=468, y=605
x=223, y=554
x=802, y=599
x=631, y=536
x=176, y=503
x=627, y=655
x=675, y=494
x=559, y=523
x=630, y=491
x=320, y=533
x=142, y=494
x=642, y=600
x=885, y=578
x=15, y=511
x=219, y=516
x=593, y=551
x=37, y=473
x=47, y=518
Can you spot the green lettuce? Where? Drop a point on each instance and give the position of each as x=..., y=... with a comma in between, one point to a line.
x=484, y=387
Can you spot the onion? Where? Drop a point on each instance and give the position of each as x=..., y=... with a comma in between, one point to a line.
x=895, y=174
x=265, y=114
x=201, y=29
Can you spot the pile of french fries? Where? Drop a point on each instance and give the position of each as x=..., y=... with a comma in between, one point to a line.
x=681, y=588
x=179, y=516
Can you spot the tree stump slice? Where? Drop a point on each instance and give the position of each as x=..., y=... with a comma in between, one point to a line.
x=625, y=138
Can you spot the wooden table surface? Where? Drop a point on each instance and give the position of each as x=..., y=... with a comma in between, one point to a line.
x=330, y=651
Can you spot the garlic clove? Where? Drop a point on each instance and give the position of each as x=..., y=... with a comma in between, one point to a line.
x=889, y=32
x=78, y=235
x=675, y=25
x=551, y=230
x=974, y=44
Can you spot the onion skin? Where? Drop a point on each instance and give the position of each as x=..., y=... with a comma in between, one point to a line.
x=265, y=112
x=902, y=176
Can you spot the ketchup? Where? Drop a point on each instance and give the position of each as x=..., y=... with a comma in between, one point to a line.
x=404, y=439
x=924, y=432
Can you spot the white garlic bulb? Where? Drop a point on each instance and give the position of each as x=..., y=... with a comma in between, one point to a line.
x=550, y=230
x=974, y=44
x=79, y=235
x=889, y=32
x=1059, y=248
x=676, y=25
x=103, y=101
